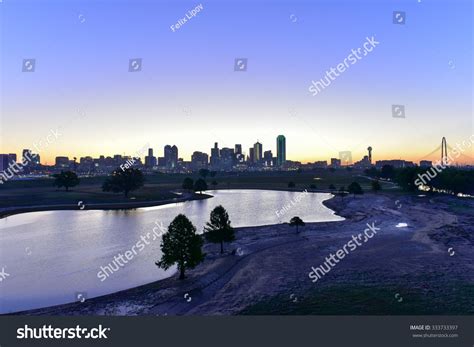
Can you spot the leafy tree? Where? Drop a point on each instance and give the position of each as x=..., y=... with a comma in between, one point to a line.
x=188, y=183
x=406, y=177
x=218, y=229
x=203, y=173
x=297, y=222
x=372, y=172
x=376, y=185
x=348, y=168
x=313, y=186
x=124, y=181
x=342, y=192
x=213, y=173
x=200, y=185
x=181, y=245
x=332, y=187
x=66, y=179
x=214, y=183
x=332, y=170
x=355, y=188
x=291, y=184
x=388, y=172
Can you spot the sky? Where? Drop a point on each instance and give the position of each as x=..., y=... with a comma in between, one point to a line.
x=188, y=94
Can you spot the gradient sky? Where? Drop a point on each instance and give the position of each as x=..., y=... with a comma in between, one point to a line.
x=189, y=95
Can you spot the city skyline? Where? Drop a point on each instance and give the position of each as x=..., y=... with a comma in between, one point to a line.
x=193, y=95
x=233, y=155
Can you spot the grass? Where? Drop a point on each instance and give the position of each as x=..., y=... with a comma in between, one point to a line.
x=369, y=300
x=159, y=186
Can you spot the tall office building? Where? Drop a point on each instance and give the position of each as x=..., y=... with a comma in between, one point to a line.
x=281, y=150
x=199, y=160
x=227, y=158
x=12, y=158
x=238, y=149
x=4, y=162
x=251, y=155
x=257, y=152
x=267, y=158
x=62, y=162
x=150, y=160
x=171, y=156
x=215, y=156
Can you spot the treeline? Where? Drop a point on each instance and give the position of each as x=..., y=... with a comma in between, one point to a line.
x=450, y=179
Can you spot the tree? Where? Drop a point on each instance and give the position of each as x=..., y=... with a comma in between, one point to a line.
x=355, y=188
x=388, y=172
x=372, y=172
x=200, y=185
x=218, y=229
x=342, y=192
x=66, y=179
x=406, y=178
x=297, y=222
x=124, y=181
x=332, y=170
x=181, y=245
x=214, y=183
x=291, y=184
x=313, y=186
x=203, y=173
x=188, y=183
x=376, y=185
x=332, y=187
x=213, y=173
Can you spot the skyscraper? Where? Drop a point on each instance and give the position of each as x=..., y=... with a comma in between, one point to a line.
x=281, y=150
x=267, y=158
x=257, y=152
x=4, y=162
x=12, y=158
x=171, y=156
x=215, y=156
x=238, y=149
x=150, y=160
x=251, y=155
x=199, y=161
x=227, y=159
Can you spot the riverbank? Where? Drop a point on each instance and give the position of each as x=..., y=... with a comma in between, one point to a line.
x=424, y=268
x=9, y=211
x=161, y=187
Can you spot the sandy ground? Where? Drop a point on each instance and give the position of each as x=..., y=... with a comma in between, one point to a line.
x=430, y=257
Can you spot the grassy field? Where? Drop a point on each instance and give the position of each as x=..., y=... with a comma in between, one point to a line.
x=159, y=186
x=369, y=300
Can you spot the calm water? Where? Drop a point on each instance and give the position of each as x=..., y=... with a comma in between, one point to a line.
x=51, y=257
